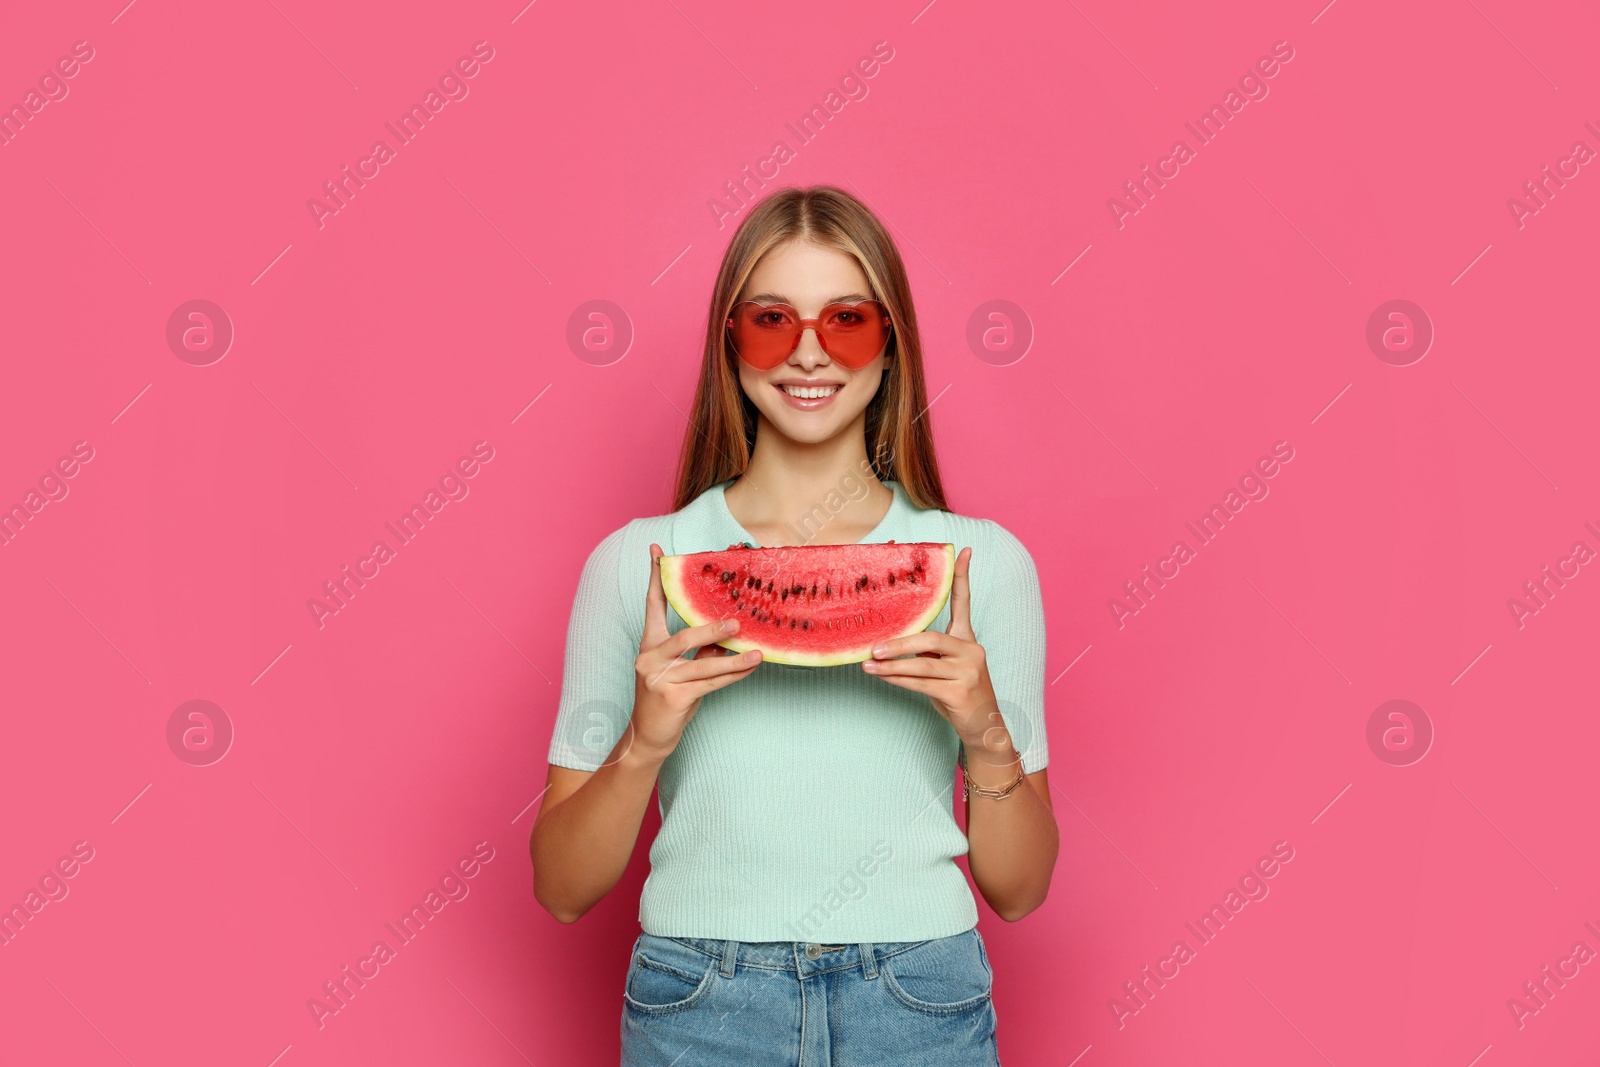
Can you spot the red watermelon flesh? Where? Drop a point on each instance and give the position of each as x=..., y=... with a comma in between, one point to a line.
x=813, y=605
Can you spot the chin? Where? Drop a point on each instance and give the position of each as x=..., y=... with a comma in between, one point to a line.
x=809, y=429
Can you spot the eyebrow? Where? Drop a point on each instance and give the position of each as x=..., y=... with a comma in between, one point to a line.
x=776, y=298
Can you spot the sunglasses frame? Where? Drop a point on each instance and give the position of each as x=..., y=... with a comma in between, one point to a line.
x=814, y=325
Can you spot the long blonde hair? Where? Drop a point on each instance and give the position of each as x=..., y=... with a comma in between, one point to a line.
x=722, y=426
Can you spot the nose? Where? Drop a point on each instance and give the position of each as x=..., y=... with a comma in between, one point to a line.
x=808, y=354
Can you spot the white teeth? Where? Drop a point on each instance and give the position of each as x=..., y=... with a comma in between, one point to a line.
x=810, y=392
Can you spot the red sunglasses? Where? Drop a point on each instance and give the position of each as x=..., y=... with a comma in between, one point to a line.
x=764, y=335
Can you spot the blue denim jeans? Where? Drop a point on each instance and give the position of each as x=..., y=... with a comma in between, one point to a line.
x=698, y=1002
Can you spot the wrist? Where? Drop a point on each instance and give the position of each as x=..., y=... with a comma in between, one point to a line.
x=643, y=755
x=641, y=762
x=991, y=745
x=991, y=762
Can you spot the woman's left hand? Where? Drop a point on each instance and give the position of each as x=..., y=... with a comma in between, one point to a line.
x=949, y=668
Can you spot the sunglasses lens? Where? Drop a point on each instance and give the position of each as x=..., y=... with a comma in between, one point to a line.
x=851, y=334
x=764, y=336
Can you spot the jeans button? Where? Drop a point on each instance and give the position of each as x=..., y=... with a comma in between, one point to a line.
x=813, y=950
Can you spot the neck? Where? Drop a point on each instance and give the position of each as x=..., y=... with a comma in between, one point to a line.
x=791, y=488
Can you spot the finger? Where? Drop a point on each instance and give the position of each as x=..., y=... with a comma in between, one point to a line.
x=961, y=597
x=655, y=604
x=718, y=681
x=929, y=687
x=926, y=641
x=701, y=668
x=915, y=667
x=691, y=637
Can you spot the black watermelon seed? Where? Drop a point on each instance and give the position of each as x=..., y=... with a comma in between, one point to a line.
x=706, y=569
x=785, y=595
x=805, y=624
x=813, y=588
x=891, y=579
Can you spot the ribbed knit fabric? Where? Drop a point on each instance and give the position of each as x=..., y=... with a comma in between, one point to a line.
x=802, y=803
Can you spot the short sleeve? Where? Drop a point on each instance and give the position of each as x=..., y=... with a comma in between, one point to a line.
x=1008, y=621
x=597, y=672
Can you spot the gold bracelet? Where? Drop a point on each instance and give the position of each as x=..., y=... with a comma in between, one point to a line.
x=968, y=789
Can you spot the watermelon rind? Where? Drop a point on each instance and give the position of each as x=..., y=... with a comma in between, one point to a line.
x=674, y=583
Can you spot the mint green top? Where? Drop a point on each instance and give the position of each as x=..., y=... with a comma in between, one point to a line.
x=802, y=803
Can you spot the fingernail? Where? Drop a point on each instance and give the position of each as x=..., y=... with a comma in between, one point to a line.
x=730, y=626
x=870, y=665
x=881, y=650
x=752, y=657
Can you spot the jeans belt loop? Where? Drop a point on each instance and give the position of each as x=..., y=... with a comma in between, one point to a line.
x=869, y=960
x=730, y=955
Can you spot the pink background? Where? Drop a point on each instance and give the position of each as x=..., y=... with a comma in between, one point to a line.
x=373, y=753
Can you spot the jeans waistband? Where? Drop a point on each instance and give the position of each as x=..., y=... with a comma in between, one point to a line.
x=801, y=958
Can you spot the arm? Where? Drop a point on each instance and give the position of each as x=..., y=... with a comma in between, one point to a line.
x=1012, y=843
x=587, y=827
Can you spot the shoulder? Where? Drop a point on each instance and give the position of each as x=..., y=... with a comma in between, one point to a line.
x=622, y=558
x=655, y=529
x=624, y=553
x=995, y=549
x=1007, y=602
x=1001, y=574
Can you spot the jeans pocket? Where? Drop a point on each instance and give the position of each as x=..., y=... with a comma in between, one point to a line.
x=943, y=976
x=666, y=976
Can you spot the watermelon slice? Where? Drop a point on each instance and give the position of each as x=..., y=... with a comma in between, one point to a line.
x=813, y=605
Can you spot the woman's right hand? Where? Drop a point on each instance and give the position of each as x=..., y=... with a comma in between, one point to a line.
x=668, y=685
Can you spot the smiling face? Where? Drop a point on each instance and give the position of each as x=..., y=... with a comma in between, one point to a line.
x=809, y=398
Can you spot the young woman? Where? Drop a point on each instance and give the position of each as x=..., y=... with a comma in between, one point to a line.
x=804, y=905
